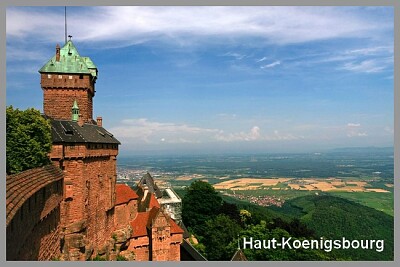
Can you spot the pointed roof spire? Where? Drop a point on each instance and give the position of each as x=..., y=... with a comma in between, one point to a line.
x=75, y=111
x=70, y=62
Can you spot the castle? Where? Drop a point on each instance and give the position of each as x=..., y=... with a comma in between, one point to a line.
x=74, y=209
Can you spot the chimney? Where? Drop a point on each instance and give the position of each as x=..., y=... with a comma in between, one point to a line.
x=99, y=121
x=80, y=120
x=57, y=52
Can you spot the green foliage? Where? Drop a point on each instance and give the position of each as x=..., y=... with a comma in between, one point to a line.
x=200, y=248
x=200, y=203
x=221, y=230
x=98, y=258
x=231, y=210
x=295, y=227
x=28, y=138
x=335, y=218
x=121, y=258
x=245, y=216
x=262, y=232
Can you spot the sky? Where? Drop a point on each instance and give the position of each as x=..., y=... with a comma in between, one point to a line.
x=220, y=79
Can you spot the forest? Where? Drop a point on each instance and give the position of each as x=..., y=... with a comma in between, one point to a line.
x=218, y=223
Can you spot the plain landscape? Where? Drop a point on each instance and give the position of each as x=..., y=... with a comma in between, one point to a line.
x=363, y=175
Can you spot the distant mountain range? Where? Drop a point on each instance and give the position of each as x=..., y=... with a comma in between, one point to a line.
x=369, y=149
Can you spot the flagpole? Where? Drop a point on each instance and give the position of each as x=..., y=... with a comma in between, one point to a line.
x=65, y=21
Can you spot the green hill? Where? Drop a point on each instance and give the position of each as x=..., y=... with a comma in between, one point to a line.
x=335, y=218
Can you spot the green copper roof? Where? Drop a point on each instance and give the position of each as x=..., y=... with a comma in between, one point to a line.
x=70, y=62
x=75, y=111
x=75, y=105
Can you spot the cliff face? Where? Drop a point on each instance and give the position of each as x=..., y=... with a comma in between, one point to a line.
x=33, y=200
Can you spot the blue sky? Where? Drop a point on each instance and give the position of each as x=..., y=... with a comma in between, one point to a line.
x=220, y=79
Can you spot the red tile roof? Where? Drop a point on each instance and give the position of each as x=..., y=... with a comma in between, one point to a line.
x=175, y=229
x=123, y=194
x=139, y=224
x=153, y=201
x=143, y=221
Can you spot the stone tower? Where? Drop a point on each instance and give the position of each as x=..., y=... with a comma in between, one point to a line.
x=84, y=151
x=66, y=77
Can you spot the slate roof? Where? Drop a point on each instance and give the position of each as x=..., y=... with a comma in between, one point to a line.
x=186, y=233
x=70, y=62
x=189, y=253
x=148, y=181
x=20, y=187
x=64, y=131
x=123, y=194
x=239, y=256
x=148, y=202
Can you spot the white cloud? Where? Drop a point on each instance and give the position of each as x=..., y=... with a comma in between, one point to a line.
x=367, y=51
x=191, y=24
x=254, y=135
x=237, y=56
x=354, y=130
x=143, y=130
x=366, y=66
x=273, y=64
x=24, y=54
x=262, y=59
x=363, y=59
x=356, y=134
x=389, y=130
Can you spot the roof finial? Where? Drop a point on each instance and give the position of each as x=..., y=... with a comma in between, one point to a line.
x=69, y=36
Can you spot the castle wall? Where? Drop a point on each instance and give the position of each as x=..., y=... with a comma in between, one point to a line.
x=125, y=213
x=99, y=198
x=174, y=251
x=60, y=91
x=89, y=178
x=140, y=246
x=160, y=238
x=33, y=232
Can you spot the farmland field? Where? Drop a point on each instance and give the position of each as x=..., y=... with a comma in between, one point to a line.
x=364, y=175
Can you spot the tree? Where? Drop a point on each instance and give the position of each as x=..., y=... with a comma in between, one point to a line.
x=221, y=230
x=262, y=232
x=245, y=216
x=28, y=140
x=200, y=203
x=231, y=210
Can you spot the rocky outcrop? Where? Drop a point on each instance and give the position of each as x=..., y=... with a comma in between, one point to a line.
x=74, y=243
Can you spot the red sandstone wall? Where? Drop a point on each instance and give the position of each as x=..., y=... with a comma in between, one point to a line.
x=90, y=190
x=140, y=246
x=132, y=209
x=160, y=238
x=174, y=252
x=73, y=206
x=121, y=217
x=125, y=213
x=59, y=95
